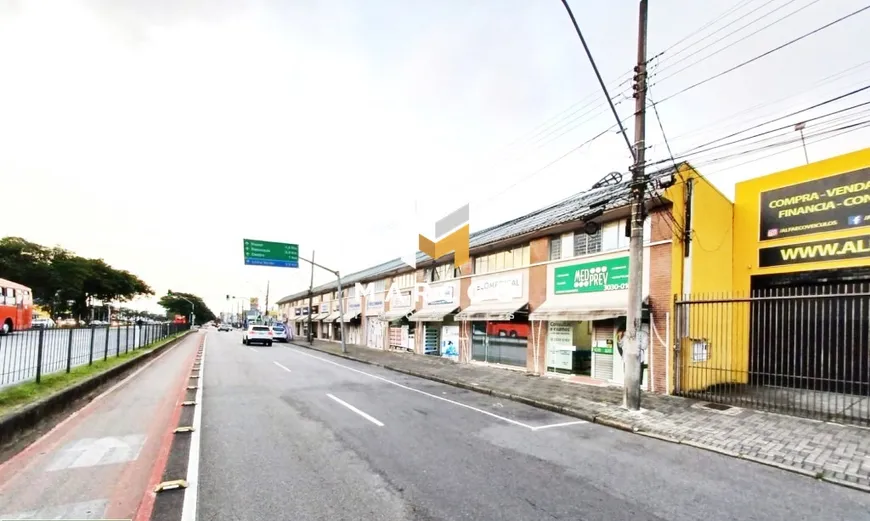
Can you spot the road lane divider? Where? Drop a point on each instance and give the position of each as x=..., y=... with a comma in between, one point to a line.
x=188, y=509
x=354, y=409
x=282, y=367
x=424, y=393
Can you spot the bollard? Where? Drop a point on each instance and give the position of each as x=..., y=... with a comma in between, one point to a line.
x=39, y=355
x=69, y=351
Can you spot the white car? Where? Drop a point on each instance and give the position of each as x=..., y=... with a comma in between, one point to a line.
x=257, y=334
x=224, y=327
x=43, y=322
x=281, y=333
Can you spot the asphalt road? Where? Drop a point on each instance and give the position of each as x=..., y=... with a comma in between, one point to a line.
x=19, y=350
x=289, y=433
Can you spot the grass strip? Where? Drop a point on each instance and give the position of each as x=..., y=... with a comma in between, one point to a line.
x=19, y=395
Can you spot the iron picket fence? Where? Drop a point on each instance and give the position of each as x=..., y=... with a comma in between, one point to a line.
x=28, y=355
x=796, y=350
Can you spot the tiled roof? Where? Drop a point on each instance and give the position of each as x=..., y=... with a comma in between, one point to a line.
x=564, y=211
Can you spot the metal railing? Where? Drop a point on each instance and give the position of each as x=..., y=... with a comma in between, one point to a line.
x=28, y=355
x=797, y=350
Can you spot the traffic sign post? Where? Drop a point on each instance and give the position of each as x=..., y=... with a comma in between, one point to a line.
x=275, y=254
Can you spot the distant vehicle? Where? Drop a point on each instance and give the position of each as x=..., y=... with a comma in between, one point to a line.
x=508, y=329
x=43, y=322
x=280, y=333
x=16, y=307
x=225, y=327
x=256, y=334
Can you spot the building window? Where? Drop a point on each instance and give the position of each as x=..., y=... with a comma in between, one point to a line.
x=508, y=259
x=380, y=286
x=406, y=280
x=586, y=244
x=442, y=272
x=350, y=292
x=556, y=247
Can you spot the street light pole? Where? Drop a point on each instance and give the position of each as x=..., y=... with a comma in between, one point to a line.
x=340, y=304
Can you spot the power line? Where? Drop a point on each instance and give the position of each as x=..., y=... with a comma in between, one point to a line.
x=765, y=54
x=769, y=103
x=600, y=81
x=696, y=32
x=732, y=44
x=780, y=118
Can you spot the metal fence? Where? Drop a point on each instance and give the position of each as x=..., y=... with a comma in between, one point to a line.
x=29, y=354
x=797, y=350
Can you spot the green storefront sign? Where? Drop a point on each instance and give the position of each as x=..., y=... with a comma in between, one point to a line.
x=601, y=350
x=592, y=277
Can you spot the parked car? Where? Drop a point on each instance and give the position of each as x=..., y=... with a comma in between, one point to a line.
x=225, y=327
x=257, y=334
x=43, y=322
x=280, y=333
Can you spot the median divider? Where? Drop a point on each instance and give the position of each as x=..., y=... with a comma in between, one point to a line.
x=21, y=426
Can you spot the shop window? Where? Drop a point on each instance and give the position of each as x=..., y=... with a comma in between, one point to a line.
x=556, y=248
x=500, y=342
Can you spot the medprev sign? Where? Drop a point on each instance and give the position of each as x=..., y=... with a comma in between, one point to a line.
x=815, y=251
x=832, y=203
x=591, y=277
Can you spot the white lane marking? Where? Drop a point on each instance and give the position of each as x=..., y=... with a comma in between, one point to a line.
x=281, y=366
x=376, y=377
x=90, y=452
x=252, y=349
x=89, y=405
x=563, y=424
x=354, y=409
x=188, y=508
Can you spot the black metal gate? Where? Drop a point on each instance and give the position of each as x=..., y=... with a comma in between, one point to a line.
x=801, y=349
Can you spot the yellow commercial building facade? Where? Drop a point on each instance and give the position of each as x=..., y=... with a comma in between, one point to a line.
x=794, y=316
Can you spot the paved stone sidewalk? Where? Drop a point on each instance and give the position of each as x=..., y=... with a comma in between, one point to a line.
x=836, y=453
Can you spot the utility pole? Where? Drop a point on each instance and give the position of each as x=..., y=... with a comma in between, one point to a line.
x=800, y=128
x=631, y=349
x=311, y=299
x=267, y=300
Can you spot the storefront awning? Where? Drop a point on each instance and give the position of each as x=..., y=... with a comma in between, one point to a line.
x=575, y=313
x=435, y=313
x=332, y=316
x=491, y=311
x=395, y=314
x=319, y=316
x=350, y=316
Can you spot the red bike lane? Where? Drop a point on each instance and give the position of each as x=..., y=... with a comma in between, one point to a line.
x=104, y=460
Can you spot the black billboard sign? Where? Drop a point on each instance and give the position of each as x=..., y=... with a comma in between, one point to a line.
x=831, y=203
x=815, y=251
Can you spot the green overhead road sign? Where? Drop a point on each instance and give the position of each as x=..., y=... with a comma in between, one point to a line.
x=265, y=253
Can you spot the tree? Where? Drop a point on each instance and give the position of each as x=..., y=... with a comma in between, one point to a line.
x=63, y=281
x=175, y=304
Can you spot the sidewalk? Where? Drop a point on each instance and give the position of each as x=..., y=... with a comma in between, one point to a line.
x=835, y=453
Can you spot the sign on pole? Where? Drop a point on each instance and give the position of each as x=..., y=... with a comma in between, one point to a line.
x=265, y=253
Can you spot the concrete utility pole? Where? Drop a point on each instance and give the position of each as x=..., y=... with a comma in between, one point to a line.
x=632, y=377
x=267, y=299
x=311, y=299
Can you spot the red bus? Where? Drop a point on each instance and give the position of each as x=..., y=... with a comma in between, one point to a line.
x=16, y=307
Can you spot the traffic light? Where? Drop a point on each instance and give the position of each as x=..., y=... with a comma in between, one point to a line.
x=228, y=297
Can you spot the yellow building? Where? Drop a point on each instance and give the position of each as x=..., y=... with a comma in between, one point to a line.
x=793, y=332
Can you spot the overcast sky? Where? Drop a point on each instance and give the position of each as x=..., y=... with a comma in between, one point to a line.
x=157, y=134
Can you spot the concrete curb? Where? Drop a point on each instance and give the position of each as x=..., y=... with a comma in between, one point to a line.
x=594, y=417
x=30, y=416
